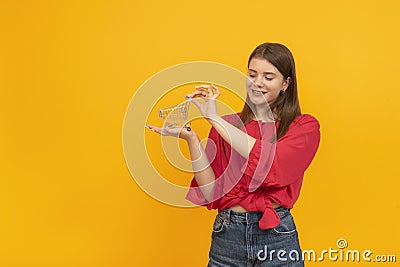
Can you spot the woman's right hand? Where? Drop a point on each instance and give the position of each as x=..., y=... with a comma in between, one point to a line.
x=180, y=132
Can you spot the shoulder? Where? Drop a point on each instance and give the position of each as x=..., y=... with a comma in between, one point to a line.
x=305, y=118
x=306, y=122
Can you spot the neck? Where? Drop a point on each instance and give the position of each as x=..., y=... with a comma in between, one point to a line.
x=263, y=113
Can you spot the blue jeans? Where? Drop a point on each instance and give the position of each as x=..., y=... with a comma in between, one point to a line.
x=238, y=241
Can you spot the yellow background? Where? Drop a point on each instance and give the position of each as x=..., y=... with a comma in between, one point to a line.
x=68, y=70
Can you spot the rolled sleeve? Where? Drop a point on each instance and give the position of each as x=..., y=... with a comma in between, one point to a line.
x=215, y=153
x=195, y=195
x=281, y=164
x=294, y=153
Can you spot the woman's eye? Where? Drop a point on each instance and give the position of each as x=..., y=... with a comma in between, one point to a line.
x=252, y=75
x=269, y=79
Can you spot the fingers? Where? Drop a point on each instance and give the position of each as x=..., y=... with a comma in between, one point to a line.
x=206, y=91
x=161, y=131
x=210, y=91
x=217, y=92
x=198, y=94
x=168, y=130
x=154, y=128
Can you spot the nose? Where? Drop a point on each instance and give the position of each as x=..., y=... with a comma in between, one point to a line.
x=258, y=81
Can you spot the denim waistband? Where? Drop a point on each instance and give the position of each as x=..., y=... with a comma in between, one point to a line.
x=229, y=215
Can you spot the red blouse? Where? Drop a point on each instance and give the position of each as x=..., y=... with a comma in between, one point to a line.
x=273, y=172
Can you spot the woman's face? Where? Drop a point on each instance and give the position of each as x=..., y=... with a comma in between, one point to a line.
x=264, y=82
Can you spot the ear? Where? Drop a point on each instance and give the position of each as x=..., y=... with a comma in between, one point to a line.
x=287, y=82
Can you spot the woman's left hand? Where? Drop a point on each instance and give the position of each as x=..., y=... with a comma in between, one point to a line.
x=209, y=93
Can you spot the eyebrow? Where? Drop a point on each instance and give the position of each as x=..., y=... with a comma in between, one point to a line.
x=263, y=72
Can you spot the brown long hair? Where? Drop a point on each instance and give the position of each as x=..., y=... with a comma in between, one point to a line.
x=286, y=106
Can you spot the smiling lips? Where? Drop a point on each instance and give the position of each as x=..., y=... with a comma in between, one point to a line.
x=258, y=92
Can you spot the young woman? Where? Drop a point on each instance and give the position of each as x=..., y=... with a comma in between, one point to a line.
x=253, y=165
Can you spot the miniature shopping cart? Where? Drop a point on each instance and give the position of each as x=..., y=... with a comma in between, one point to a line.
x=177, y=116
